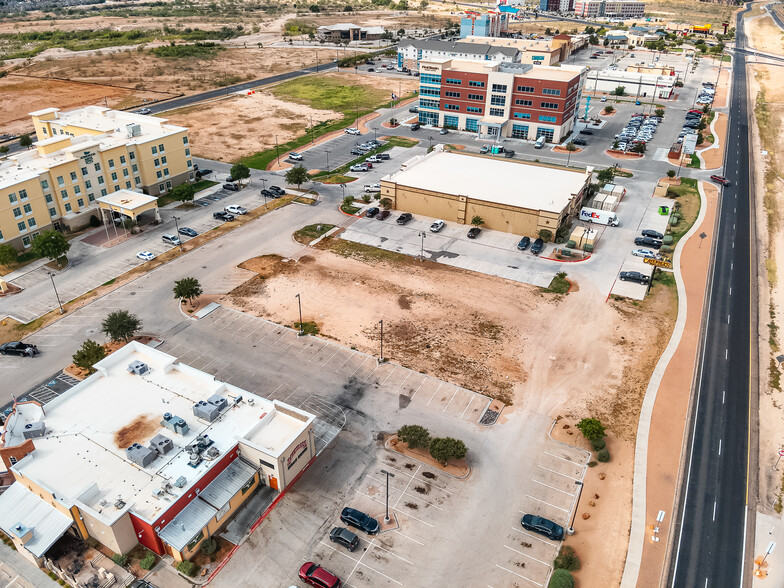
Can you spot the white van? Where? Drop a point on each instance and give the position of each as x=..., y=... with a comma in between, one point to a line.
x=540, y=142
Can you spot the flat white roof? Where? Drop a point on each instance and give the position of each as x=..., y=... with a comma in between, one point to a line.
x=127, y=199
x=82, y=456
x=492, y=179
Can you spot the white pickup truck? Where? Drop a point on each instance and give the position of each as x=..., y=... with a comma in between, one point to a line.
x=372, y=187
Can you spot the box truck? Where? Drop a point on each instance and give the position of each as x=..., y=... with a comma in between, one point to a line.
x=603, y=217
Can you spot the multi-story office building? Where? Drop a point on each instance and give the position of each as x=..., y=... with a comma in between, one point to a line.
x=410, y=52
x=491, y=24
x=533, y=51
x=609, y=8
x=500, y=99
x=82, y=155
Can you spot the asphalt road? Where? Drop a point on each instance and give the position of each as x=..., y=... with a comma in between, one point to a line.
x=710, y=549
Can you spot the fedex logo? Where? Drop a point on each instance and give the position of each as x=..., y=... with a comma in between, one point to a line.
x=589, y=214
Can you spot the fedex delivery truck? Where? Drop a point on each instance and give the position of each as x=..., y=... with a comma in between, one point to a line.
x=602, y=217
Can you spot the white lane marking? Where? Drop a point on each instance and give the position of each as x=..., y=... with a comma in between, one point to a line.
x=726, y=354
x=407, y=485
x=528, y=556
x=545, y=502
x=518, y=575
x=534, y=537
x=553, y=487
x=723, y=393
x=467, y=405
x=719, y=446
x=559, y=473
x=400, y=511
x=728, y=319
x=562, y=458
x=418, y=387
x=434, y=393
x=714, y=510
x=391, y=553
x=359, y=561
x=409, y=538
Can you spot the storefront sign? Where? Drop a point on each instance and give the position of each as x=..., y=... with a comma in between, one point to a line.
x=296, y=454
x=658, y=262
x=428, y=68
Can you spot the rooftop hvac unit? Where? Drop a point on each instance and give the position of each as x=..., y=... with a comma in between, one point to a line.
x=211, y=453
x=195, y=458
x=161, y=444
x=180, y=482
x=34, y=430
x=119, y=503
x=203, y=442
x=158, y=493
x=175, y=423
x=133, y=130
x=138, y=367
x=141, y=455
x=219, y=401
x=206, y=410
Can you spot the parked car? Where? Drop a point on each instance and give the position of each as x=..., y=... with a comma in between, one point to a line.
x=205, y=172
x=542, y=526
x=586, y=132
x=373, y=159
x=187, y=231
x=224, y=216
x=383, y=215
x=353, y=131
x=294, y=156
x=383, y=156
x=633, y=277
x=648, y=242
x=372, y=187
x=277, y=192
x=604, y=98
x=171, y=239
x=371, y=212
x=19, y=348
x=235, y=209
x=359, y=520
x=484, y=149
x=652, y=234
x=143, y=111
x=720, y=179
x=145, y=255
x=473, y=232
x=437, y=226
x=524, y=243
x=579, y=141
x=359, y=167
x=537, y=247
x=404, y=218
x=413, y=109
x=317, y=576
x=358, y=151
x=509, y=153
x=232, y=187
x=443, y=131
x=415, y=127
x=344, y=537
x=644, y=253
x=371, y=69
x=267, y=194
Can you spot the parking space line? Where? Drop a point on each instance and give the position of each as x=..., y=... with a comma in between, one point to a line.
x=467, y=405
x=562, y=458
x=394, y=369
x=553, y=487
x=252, y=332
x=519, y=576
x=528, y=556
x=333, y=355
x=434, y=393
x=559, y=473
x=408, y=375
x=359, y=562
x=407, y=485
x=349, y=357
x=410, y=538
x=359, y=366
x=545, y=502
x=534, y=537
x=391, y=553
x=450, y=400
x=400, y=511
x=304, y=348
x=290, y=395
x=418, y=387
x=414, y=496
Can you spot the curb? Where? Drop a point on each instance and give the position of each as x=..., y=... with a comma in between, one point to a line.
x=470, y=469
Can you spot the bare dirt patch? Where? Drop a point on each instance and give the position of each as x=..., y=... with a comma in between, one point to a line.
x=138, y=430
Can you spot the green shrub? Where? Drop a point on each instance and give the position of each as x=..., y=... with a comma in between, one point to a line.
x=561, y=579
x=571, y=244
x=591, y=428
x=120, y=560
x=665, y=249
x=588, y=248
x=667, y=240
x=148, y=561
x=567, y=559
x=598, y=444
x=545, y=235
x=674, y=220
x=188, y=568
x=603, y=455
x=414, y=435
x=94, y=222
x=209, y=546
x=366, y=198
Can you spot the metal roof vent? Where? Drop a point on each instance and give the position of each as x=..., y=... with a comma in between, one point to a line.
x=206, y=410
x=140, y=455
x=34, y=430
x=180, y=482
x=138, y=367
x=161, y=444
x=175, y=423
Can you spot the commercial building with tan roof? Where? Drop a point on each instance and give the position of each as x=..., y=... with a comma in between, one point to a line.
x=510, y=195
x=146, y=450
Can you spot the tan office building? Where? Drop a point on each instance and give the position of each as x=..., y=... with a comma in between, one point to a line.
x=512, y=196
x=82, y=155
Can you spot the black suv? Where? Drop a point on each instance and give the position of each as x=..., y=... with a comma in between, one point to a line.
x=542, y=526
x=634, y=277
x=404, y=218
x=19, y=348
x=345, y=537
x=371, y=212
x=537, y=247
x=524, y=243
x=224, y=216
x=232, y=187
x=278, y=192
x=358, y=519
x=579, y=141
x=648, y=242
x=652, y=234
x=415, y=127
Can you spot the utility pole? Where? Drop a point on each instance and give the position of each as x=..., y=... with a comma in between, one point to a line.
x=570, y=530
x=177, y=226
x=381, y=355
x=56, y=295
x=386, y=516
x=299, y=303
x=264, y=191
x=277, y=151
x=312, y=140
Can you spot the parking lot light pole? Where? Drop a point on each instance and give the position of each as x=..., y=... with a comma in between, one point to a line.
x=60, y=304
x=177, y=227
x=422, y=249
x=277, y=149
x=381, y=354
x=327, y=152
x=264, y=191
x=299, y=303
x=386, y=516
x=570, y=530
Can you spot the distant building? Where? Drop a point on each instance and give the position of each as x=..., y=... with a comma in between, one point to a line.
x=609, y=8
x=533, y=51
x=549, y=5
x=491, y=24
x=348, y=32
x=411, y=51
x=641, y=85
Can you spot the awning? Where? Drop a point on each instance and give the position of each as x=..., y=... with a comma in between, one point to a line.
x=187, y=524
x=23, y=513
x=226, y=485
x=127, y=202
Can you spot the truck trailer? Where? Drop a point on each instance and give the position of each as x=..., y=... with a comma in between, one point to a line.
x=602, y=217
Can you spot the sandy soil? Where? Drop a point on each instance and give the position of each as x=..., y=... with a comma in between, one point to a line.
x=714, y=158
x=21, y=95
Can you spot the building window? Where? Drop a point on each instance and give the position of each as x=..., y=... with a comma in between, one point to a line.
x=549, y=105
x=97, y=167
x=453, y=81
x=159, y=174
x=132, y=155
x=520, y=131
x=100, y=180
x=430, y=92
x=90, y=197
x=528, y=89
x=122, y=159
x=160, y=188
x=475, y=84
x=135, y=168
x=524, y=102
x=45, y=184
x=84, y=171
x=52, y=212
x=17, y=213
x=80, y=202
x=523, y=115
x=474, y=109
x=163, y=160
x=550, y=92
x=499, y=88
x=497, y=100
x=64, y=194
x=26, y=241
x=548, y=119
x=190, y=176
x=472, y=125
x=28, y=209
x=125, y=172
x=432, y=104
x=23, y=194
x=496, y=112
x=22, y=227
x=60, y=181
x=476, y=97
x=168, y=186
x=12, y=197
x=546, y=133
x=31, y=222
x=190, y=163
x=73, y=176
x=187, y=153
x=88, y=184
x=185, y=140
x=429, y=79
x=128, y=185
x=115, y=187
x=160, y=147
x=157, y=162
x=138, y=180
x=103, y=192
x=248, y=485
x=154, y=150
x=77, y=190
x=452, y=94
x=451, y=107
x=1, y=236
x=451, y=121
x=67, y=208
x=195, y=541
x=49, y=198
x=114, y=176
x=111, y=164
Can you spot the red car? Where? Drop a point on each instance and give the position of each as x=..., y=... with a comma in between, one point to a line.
x=317, y=576
x=720, y=180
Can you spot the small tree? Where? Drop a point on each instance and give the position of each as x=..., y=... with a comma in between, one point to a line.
x=297, y=176
x=477, y=221
x=638, y=148
x=670, y=173
x=604, y=176
x=121, y=325
x=187, y=567
x=567, y=559
x=348, y=200
x=94, y=221
x=148, y=561
x=366, y=198
x=414, y=435
x=591, y=429
x=187, y=288
x=88, y=355
x=609, y=109
x=130, y=224
x=25, y=141
x=570, y=148
x=51, y=244
x=386, y=203
x=183, y=192
x=393, y=122
x=561, y=579
x=239, y=172
x=445, y=448
x=8, y=255
x=546, y=235
x=619, y=91
x=659, y=112
x=603, y=455
x=4, y=149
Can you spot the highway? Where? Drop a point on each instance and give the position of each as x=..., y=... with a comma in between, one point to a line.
x=712, y=526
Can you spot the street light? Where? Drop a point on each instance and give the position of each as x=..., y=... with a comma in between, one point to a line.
x=570, y=530
x=386, y=516
x=422, y=249
x=264, y=191
x=343, y=187
x=177, y=226
x=277, y=151
x=60, y=304
x=381, y=355
x=299, y=303
x=327, y=151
